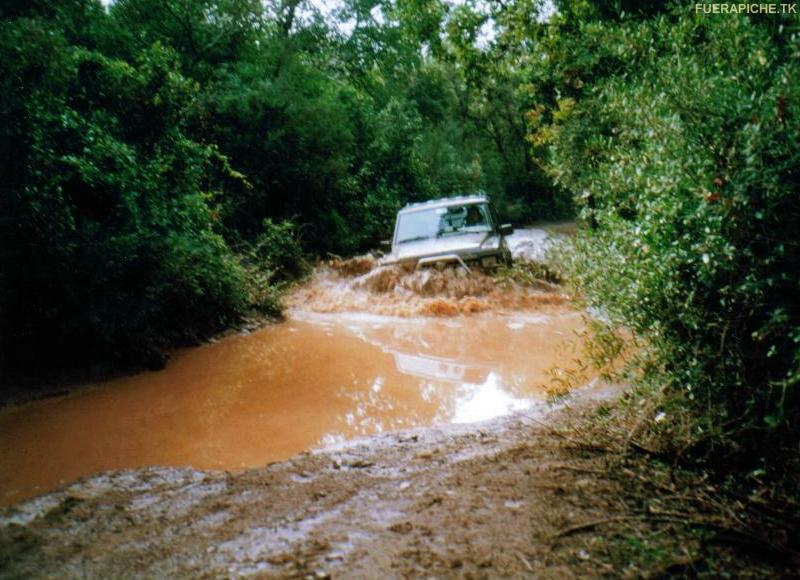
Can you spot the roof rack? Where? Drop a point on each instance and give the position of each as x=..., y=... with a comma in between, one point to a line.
x=448, y=200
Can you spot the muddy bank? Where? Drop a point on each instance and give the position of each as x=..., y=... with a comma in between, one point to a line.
x=471, y=500
x=524, y=496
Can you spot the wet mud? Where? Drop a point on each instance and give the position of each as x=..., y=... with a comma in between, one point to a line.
x=460, y=501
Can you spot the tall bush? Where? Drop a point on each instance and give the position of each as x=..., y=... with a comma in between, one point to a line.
x=685, y=162
x=109, y=248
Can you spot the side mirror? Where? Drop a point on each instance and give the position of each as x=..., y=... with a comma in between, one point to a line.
x=506, y=230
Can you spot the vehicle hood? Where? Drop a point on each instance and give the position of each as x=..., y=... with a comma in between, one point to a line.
x=461, y=245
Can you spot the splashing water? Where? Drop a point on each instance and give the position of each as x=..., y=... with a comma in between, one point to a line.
x=363, y=284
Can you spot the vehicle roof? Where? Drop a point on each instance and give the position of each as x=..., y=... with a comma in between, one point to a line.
x=444, y=202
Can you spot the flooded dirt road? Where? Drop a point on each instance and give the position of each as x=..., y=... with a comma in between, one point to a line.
x=455, y=349
x=432, y=491
x=453, y=501
x=251, y=399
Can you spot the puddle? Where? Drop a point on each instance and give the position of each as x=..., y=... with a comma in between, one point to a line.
x=314, y=380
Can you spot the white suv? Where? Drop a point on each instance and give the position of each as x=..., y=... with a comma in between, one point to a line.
x=460, y=230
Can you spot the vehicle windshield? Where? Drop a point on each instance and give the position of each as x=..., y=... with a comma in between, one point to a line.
x=443, y=221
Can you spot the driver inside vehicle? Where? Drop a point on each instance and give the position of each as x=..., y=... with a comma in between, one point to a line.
x=474, y=217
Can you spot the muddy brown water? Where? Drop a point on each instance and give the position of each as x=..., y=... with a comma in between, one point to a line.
x=251, y=399
x=314, y=380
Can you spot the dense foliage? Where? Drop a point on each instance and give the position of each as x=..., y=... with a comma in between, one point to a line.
x=108, y=238
x=166, y=163
x=678, y=135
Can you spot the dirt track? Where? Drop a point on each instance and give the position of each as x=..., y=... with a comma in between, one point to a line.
x=522, y=496
x=479, y=500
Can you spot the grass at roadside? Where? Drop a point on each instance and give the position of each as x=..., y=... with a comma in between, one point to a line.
x=665, y=517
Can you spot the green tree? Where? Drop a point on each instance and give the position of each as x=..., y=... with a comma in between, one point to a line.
x=691, y=189
x=109, y=244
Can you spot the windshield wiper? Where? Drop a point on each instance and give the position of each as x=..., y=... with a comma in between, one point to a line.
x=415, y=239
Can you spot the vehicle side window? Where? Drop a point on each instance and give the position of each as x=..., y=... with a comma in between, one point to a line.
x=464, y=218
x=452, y=220
x=475, y=216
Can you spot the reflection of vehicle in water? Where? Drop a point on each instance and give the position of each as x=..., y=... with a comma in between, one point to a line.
x=460, y=230
x=436, y=368
x=478, y=392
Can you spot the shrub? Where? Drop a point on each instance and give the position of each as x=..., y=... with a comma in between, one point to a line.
x=278, y=248
x=691, y=189
x=109, y=248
